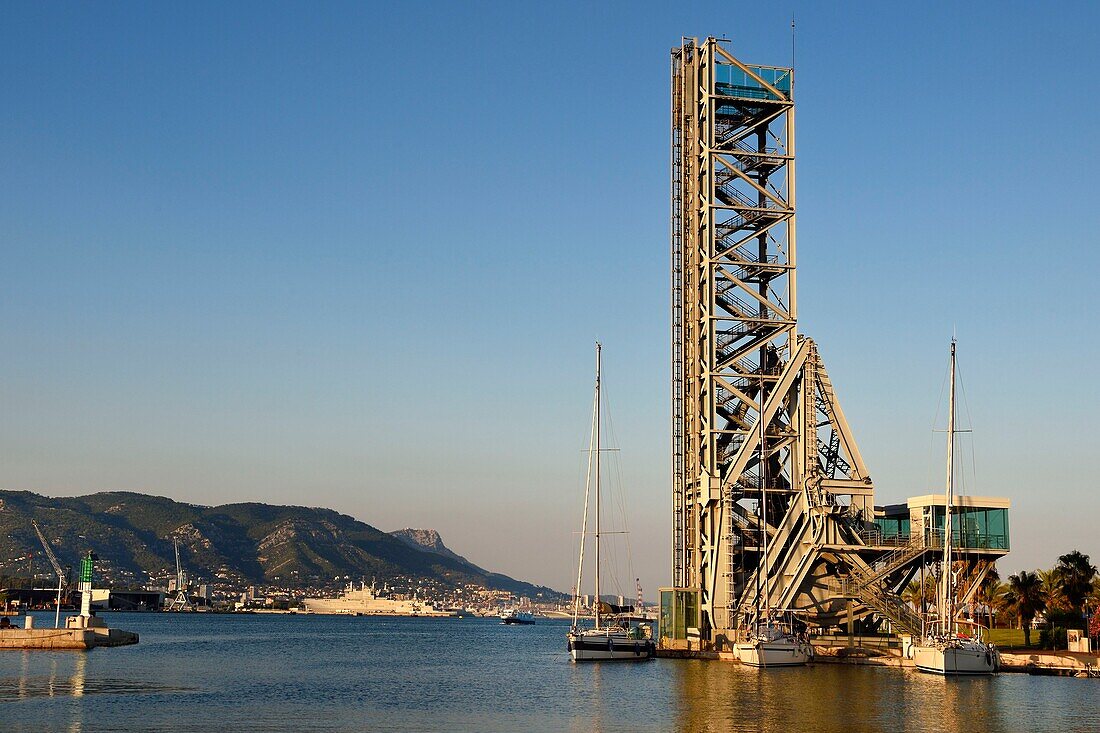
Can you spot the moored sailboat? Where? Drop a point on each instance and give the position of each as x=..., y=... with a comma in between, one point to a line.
x=944, y=650
x=768, y=638
x=611, y=638
x=774, y=643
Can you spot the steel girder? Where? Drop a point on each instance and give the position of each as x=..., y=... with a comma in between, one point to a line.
x=739, y=362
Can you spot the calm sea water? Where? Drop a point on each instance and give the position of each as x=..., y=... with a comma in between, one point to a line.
x=296, y=673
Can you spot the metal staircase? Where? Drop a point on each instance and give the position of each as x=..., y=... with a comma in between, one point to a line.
x=867, y=586
x=889, y=606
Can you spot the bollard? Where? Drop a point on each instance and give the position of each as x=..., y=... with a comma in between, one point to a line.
x=28, y=622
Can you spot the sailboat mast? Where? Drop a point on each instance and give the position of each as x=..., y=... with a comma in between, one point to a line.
x=598, y=350
x=947, y=620
x=584, y=521
x=763, y=567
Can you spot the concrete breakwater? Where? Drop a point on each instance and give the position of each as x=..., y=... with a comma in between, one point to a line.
x=80, y=633
x=1061, y=664
x=79, y=639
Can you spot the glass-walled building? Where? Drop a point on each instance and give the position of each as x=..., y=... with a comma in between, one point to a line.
x=977, y=522
x=679, y=616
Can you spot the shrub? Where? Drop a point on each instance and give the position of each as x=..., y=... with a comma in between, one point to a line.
x=1065, y=619
x=1053, y=639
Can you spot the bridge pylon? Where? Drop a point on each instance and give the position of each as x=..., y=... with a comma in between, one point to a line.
x=754, y=412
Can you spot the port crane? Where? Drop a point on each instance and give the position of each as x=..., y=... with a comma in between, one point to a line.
x=57, y=568
x=181, y=602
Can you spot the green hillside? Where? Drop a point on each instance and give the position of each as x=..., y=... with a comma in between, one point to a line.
x=237, y=543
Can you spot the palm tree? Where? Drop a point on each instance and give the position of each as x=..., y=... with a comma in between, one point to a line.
x=1025, y=599
x=912, y=595
x=992, y=596
x=1075, y=575
x=989, y=591
x=1051, y=588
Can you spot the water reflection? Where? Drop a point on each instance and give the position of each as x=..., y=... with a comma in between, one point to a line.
x=425, y=675
x=824, y=697
x=731, y=697
x=65, y=674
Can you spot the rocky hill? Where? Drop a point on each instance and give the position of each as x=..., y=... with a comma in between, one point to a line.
x=134, y=534
x=429, y=541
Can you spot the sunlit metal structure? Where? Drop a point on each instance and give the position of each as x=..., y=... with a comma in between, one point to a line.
x=754, y=413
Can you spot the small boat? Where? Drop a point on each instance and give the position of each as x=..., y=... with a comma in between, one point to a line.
x=516, y=616
x=612, y=638
x=944, y=650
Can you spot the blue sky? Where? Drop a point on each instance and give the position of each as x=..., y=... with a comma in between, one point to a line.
x=356, y=255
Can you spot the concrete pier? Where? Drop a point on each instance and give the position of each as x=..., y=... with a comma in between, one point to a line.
x=80, y=633
x=1059, y=664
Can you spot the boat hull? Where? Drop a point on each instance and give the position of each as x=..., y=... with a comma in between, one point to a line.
x=614, y=648
x=951, y=661
x=772, y=654
x=518, y=621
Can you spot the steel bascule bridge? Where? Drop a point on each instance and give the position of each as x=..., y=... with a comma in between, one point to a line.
x=752, y=403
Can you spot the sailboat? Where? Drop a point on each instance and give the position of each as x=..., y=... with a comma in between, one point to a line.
x=611, y=638
x=944, y=650
x=769, y=638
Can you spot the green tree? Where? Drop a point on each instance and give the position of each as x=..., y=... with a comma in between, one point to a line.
x=992, y=596
x=989, y=591
x=1075, y=576
x=1051, y=588
x=1025, y=598
x=912, y=594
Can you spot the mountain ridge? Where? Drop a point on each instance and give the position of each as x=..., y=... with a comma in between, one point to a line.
x=241, y=543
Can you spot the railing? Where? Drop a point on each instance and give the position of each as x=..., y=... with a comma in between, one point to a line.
x=895, y=610
x=933, y=538
x=749, y=216
x=966, y=540
x=734, y=76
x=745, y=205
x=746, y=157
x=876, y=538
x=727, y=290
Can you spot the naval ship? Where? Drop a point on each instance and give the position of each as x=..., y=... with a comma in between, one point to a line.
x=369, y=601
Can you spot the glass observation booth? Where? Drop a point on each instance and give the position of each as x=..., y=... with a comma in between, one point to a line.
x=977, y=522
x=733, y=81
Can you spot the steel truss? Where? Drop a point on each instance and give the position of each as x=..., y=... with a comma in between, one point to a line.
x=738, y=359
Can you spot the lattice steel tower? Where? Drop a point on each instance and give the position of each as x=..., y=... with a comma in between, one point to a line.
x=752, y=405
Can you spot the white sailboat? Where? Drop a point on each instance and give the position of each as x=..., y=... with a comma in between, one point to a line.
x=769, y=640
x=609, y=639
x=944, y=649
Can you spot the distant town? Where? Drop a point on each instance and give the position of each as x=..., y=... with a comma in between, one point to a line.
x=119, y=593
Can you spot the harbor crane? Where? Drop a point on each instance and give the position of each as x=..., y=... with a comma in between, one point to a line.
x=57, y=568
x=181, y=602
